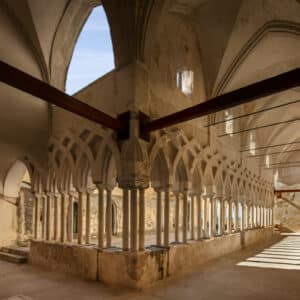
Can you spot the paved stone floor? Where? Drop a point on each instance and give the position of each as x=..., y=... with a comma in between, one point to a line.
x=231, y=277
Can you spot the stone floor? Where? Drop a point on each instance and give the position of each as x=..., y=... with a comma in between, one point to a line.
x=232, y=277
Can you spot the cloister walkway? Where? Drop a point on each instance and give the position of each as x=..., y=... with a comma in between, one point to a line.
x=231, y=277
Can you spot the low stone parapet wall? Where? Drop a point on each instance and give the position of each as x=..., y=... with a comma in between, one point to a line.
x=66, y=258
x=140, y=269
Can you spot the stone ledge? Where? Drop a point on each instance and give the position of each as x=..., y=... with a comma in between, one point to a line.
x=140, y=269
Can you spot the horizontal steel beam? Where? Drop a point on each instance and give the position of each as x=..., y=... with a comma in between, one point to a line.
x=270, y=146
x=259, y=127
x=31, y=85
x=253, y=113
x=287, y=191
x=243, y=95
x=283, y=167
x=273, y=153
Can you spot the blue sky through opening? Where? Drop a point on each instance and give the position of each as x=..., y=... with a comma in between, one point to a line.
x=93, y=54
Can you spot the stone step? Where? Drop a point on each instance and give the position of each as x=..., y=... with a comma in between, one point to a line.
x=21, y=251
x=13, y=258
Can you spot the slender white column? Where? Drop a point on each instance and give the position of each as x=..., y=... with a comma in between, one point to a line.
x=192, y=217
x=213, y=215
x=199, y=218
x=80, y=217
x=100, y=217
x=36, y=215
x=71, y=212
x=166, y=218
x=158, y=217
x=55, y=225
x=206, y=229
x=44, y=224
x=222, y=215
x=252, y=215
x=48, y=217
x=177, y=205
x=108, y=218
x=237, y=216
x=142, y=219
x=229, y=216
x=134, y=220
x=88, y=218
x=64, y=199
x=272, y=216
x=184, y=217
x=125, y=232
x=21, y=216
x=257, y=216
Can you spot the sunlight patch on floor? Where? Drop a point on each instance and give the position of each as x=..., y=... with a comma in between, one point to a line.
x=283, y=255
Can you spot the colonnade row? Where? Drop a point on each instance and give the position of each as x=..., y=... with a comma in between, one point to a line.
x=196, y=217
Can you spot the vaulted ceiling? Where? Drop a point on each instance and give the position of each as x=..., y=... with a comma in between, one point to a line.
x=238, y=43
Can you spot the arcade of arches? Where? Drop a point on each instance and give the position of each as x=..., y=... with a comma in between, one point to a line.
x=80, y=200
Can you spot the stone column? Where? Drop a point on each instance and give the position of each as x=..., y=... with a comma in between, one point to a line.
x=108, y=218
x=166, y=218
x=36, y=215
x=199, y=218
x=193, y=217
x=134, y=220
x=48, y=218
x=44, y=225
x=252, y=218
x=206, y=233
x=55, y=233
x=71, y=212
x=212, y=216
x=272, y=216
x=88, y=218
x=184, y=217
x=177, y=208
x=100, y=217
x=229, y=216
x=237, y=229
x=142, y=219
x=242, y=217
x=125, y=232
x=80, y=217
x=222, y=216
x=64, y=199
x=21, y=216
x=158, y=216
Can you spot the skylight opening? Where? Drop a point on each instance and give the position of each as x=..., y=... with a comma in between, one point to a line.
x=268, y=161
x=252, y=144
x=228, y=123
x=93, y=53
x=185, y=81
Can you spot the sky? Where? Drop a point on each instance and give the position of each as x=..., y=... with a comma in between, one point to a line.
x=93, y=53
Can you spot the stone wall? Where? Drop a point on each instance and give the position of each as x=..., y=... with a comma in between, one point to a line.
x=287, y=212
x=140, y=269
x=8, y=223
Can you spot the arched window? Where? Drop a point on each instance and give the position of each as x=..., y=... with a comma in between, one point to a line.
x=185, y=81
x=252, y=144
x=93, y=54
x=228, y=123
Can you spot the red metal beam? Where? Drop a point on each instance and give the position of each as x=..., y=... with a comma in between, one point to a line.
x=287, y=191
x=243, y=95
x=29, y=84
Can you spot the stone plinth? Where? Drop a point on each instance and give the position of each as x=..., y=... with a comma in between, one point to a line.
x=140, y=269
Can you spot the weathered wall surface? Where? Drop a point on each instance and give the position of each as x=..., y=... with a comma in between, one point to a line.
x=8, y=223
x=140, y=269
x=287, y=212
x=72, y=259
